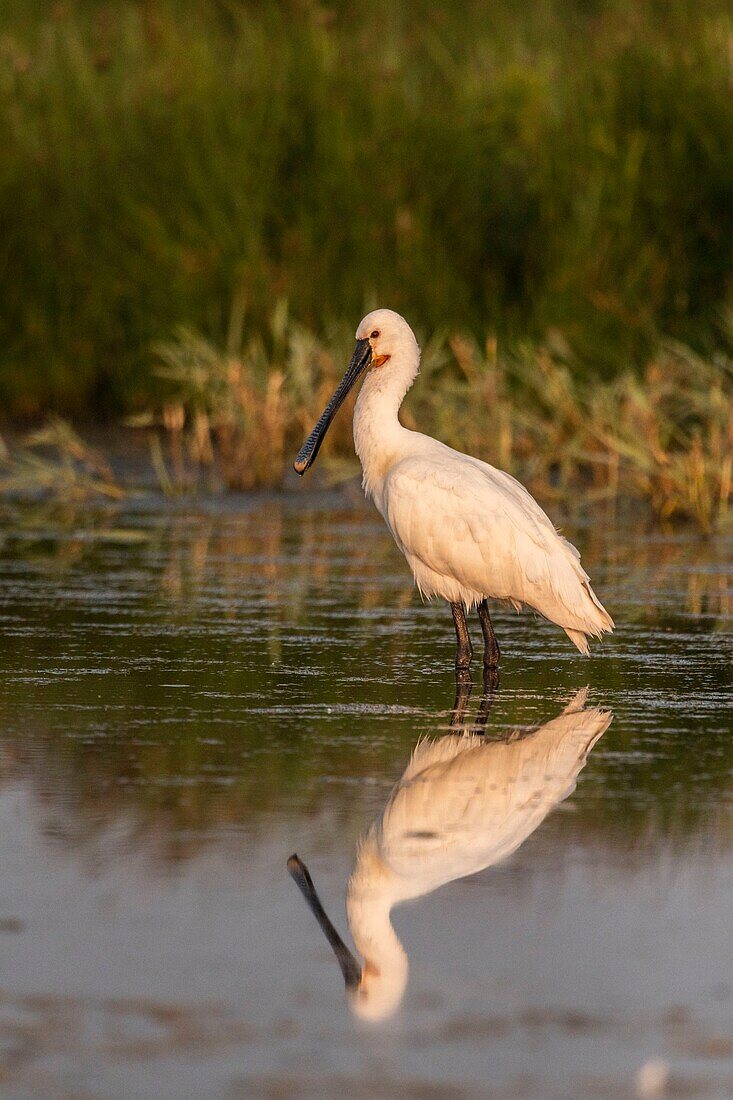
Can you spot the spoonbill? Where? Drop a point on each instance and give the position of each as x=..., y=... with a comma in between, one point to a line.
x=463, y=804
x=469, y=532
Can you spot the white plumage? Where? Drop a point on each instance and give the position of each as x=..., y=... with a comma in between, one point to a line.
x=463, y=804
x=467, y=530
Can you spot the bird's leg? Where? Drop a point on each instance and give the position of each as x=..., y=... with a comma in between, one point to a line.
x=464, y=652
x=492, y=652
x=491, y=684
x=463, y=692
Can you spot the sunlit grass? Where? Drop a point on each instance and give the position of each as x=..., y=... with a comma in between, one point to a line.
x=664, y=437
x=233, y=420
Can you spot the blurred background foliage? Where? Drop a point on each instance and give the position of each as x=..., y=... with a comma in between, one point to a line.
x=502, y=168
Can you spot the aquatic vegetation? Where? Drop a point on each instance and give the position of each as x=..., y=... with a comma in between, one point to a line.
x=663, y=437
x=234, y=420
x=233, y=415
x=54, y=463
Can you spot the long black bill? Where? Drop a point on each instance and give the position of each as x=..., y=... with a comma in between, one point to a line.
x=349, y=966
x=360, y=360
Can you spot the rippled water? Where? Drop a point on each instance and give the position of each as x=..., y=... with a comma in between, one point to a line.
x=187, y=698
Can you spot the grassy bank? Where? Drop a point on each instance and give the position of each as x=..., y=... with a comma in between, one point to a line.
x=663, y=435
x=233, y=420
x=509, y=168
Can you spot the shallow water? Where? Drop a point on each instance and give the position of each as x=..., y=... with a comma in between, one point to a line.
x=189, y=697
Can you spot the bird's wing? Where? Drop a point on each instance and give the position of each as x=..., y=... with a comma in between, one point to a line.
x=466, y=810
x=465, y=519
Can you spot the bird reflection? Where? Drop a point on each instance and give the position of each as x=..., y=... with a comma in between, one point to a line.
x=464, y=803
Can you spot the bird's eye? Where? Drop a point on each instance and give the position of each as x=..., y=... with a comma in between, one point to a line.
x=375, y=334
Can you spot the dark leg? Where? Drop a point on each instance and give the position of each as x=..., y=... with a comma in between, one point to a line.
x=463, y=693
x=491, y=646
x=491, y=684
x=464, y=652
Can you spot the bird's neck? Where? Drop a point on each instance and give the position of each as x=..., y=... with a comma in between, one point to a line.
x=371, y=893
x=379, y=438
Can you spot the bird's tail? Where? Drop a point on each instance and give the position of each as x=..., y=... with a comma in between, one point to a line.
x=599, y=623
x=603, y=619
x=579, y=639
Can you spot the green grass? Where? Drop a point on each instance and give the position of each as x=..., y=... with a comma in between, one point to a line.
x=512, y=168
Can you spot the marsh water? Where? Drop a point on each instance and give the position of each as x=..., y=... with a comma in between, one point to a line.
x=190, y=694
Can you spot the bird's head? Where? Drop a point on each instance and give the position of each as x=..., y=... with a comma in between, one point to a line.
x=386, y=333
x=375, y=988
x=379, y=993
x=380, y=338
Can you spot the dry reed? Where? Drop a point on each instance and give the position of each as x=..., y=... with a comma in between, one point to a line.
x=54, y=463
x=664, y=437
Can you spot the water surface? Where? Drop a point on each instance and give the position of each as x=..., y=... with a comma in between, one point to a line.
x=188, y=696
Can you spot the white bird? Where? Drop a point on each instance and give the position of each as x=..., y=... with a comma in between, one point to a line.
x=468, y=531
x=463, y=804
